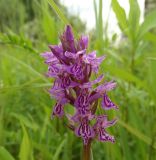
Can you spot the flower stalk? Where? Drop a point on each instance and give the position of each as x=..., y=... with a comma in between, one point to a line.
x=87, y=151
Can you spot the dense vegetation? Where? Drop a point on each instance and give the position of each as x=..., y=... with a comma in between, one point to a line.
x=26, y=130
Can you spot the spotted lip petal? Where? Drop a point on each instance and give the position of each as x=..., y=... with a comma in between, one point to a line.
x=104, y=136
x=99, y=91
x=67, y=82
x=107, y=103
x=58, y=108
x=101, y=124
x=54, y=70
x=85, y=131
x=82, y=103
x=57, y=91
x=76, y=70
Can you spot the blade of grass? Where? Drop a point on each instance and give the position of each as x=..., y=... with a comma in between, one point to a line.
x=27, y=66
x=60, y=14
x=148, y=24
x=137, y=133
x=5, y=155
x=121, y=16
x=26, y=152
x=59, y=149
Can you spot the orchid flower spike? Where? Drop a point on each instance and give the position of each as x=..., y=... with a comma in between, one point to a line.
x=71, y=67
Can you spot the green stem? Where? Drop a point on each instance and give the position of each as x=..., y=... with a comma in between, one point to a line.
x=87, y=151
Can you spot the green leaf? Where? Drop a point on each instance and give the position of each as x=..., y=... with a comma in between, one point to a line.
x=124, y=75
x=96, y=12
x=22, y=63
x=152, y=76
x=151, y=37
x=134, y=18
x=100, y=21
x=137, y=133
x=129, y=77
x=148, y=24
x=60, y=14
x=5, y=155
x=120, y=15
x=26, y=146
x=26, y=121
x=59, y=149
x=12, y=38
x=47, y=22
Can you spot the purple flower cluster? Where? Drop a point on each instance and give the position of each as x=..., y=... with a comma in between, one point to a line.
x=71, y=67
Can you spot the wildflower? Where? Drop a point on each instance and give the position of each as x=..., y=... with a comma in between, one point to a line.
x=71, y=67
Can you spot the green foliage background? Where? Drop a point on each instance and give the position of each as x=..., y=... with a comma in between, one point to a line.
x=26, y=131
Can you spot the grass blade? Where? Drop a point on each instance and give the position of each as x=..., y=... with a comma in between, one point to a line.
x=148, y=24
x=5, y=155
x=58, y=12
x=120, y=15
x=138, y=134
x=59, y=149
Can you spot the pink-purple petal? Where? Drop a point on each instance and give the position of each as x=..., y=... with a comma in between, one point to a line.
x=90, y=84
x=105, y=87
x=83, y=42
x=104, y=136
x=107, y=103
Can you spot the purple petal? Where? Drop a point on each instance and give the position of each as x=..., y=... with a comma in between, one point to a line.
x=83, y=42
x=57, y=91
x=81, y=52
x=58, y=52
x=75, y=70
x=49, y=58
x=107, y=103
x=100, y=90
x=102, y=122
x=84, y=130
x=105, y=87
x=82, y=103
x=91, y=59
x=67, y=82
x=71, y=55
x=67, y=40
x=54, y=70
x=90, y=84
x=110, y=123
x=58, y=108
x=96, y=63
x=74, y=55
x=69, y=34
x=104, y=136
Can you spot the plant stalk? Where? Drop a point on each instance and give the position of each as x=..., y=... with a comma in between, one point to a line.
x=87, y=151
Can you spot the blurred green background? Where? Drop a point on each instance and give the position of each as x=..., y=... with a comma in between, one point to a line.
x=27, y=27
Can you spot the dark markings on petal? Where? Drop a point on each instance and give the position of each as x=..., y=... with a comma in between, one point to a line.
x=107, y=103
x=104, y=136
